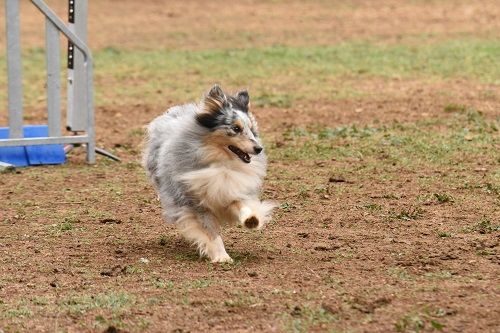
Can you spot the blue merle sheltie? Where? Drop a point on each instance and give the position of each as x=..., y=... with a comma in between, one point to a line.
x=207, y=163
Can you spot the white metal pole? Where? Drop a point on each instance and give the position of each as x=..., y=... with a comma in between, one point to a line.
x=14, y=69
x=77, y=90
x=53, y=78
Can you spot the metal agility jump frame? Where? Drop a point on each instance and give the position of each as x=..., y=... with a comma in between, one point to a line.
x=80, y=88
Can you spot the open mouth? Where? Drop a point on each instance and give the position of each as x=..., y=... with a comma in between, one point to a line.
x=240, y=153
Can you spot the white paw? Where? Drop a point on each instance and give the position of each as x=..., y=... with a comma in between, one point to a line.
x=245, y=213
x=216, y=252
x=248, y=218
x=222, y=258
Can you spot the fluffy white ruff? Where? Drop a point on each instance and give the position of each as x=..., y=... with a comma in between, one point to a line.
x=218, y=186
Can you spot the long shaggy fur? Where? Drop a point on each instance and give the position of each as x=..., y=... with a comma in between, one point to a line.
x=206, y=163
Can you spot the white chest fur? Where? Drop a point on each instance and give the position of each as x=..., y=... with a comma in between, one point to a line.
x=217, y=186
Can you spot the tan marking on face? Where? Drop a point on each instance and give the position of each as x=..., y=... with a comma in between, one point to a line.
x=239, y=123
x=216, y=143
x=216, y=147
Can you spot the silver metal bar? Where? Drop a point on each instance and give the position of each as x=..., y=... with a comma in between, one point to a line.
x=107, y=154
x=53, y=78
x=91, y=142
x=44, y=141
x=14, y=69
x=77, y=90
x=87, y=55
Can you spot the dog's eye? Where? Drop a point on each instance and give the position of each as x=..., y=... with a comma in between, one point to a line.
x=236, y=129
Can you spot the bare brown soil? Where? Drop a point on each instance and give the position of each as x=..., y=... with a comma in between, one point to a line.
x=200, y=25
x=326, y=263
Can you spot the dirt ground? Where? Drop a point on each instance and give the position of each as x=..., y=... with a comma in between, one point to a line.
x=84, y=249
x=189, y=25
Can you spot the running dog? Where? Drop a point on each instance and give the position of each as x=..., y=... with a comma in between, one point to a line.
x=207, y=164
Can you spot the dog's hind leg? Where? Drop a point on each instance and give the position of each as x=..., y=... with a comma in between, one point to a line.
x=205, y=234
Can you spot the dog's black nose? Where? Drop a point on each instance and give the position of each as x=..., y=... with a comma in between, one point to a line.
x=257, y=149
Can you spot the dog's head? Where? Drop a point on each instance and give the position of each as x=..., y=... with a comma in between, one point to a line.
x=232, y=128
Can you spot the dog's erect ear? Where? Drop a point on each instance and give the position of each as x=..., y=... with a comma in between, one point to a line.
x=240, y=101
x=213, y=104
x=216, y=92
x=243, y=99
x=216, y=100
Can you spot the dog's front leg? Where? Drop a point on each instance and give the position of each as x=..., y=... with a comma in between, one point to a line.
x=252, y=213
x=205, y=234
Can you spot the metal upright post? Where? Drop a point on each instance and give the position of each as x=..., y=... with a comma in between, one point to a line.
x=53, y=78
x=80, y=87
x=89, y=138
x=77, y=90
x=14, y=69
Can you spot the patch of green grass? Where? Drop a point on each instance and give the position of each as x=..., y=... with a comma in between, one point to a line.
x=465, y=139
x=119, y=321
x=272, y=73
x=303, y=192
x=400, y=273
x=163, y=240
x=66, y=225
x=96, y=214
x=199, y=283
x=133, y=269
x=22, y=311
x=286, y=206
x=80, y=304
x=137, y=132
x=410, y=323
x=279, y=100
x=492, y=188
x=188, y=256
x=306, y=318
x=40, y=300
x=486, y=187
x=418, y=321
x=455, y=108
x=484, y=226
x=391, y=196
x=241, y=300
x=440, y=275
x=443, y=197
x=444, y=234
x=372, y=207
x=351, y=131
x=162, y=284
x=408, y=214
x=486, y=252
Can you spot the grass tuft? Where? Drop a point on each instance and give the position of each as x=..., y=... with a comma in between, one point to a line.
x=443, y=197
x=408, y=214
x=80, y=304
x=455, y=108
x=484, y=226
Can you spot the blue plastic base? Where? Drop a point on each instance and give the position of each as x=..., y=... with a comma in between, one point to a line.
x=31, y=155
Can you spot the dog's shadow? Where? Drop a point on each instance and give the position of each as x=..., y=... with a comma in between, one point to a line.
x=174, y=247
